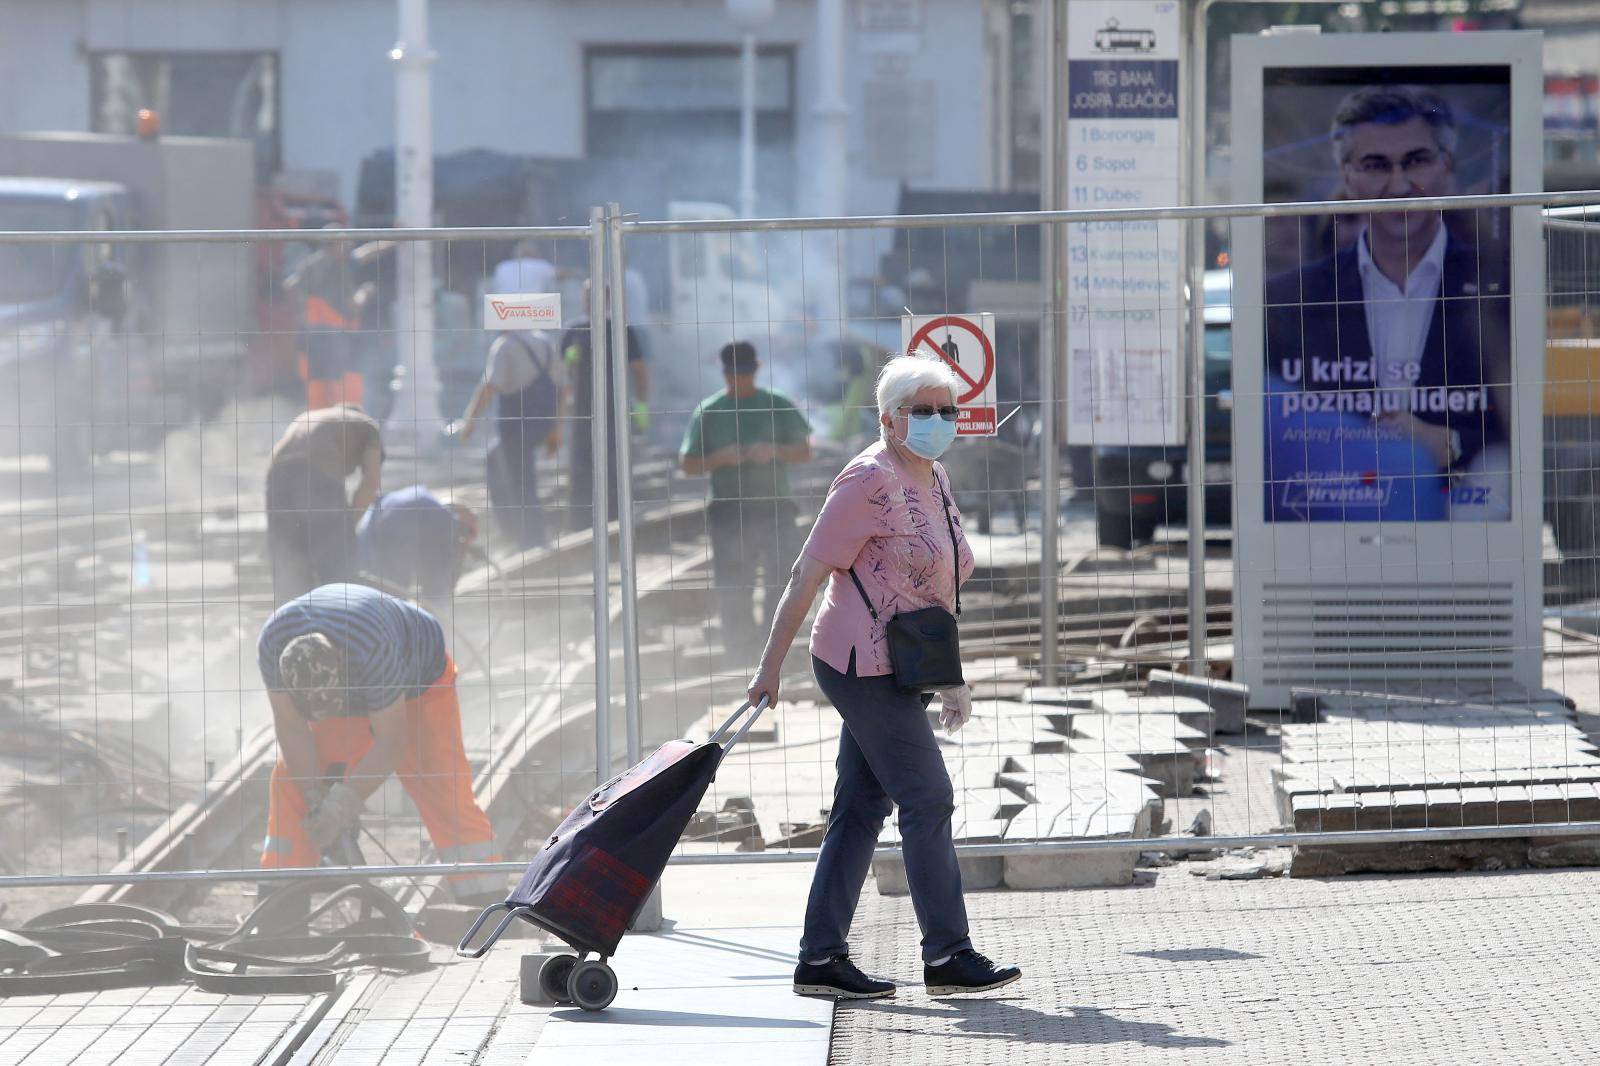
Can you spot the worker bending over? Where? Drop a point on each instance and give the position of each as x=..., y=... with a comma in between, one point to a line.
x=361, y=679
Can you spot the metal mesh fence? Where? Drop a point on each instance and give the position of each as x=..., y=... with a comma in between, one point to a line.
x=166, y=492
x=139, y=561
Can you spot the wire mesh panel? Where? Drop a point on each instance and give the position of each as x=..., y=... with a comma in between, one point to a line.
x=144, y=552
x=1134, y=745
x=199, y=432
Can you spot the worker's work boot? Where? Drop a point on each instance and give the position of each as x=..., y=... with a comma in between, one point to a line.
x=839, y=978
x=966, y=971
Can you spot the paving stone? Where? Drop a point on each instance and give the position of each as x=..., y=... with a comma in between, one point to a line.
x=1412, y=857
x=1080, y=821
x=1314, y=972
x=1229, y=700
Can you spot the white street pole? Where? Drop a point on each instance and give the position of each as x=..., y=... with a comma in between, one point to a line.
x=747, y=127
x=832, y=115
x=749, y=16
x=413, y=60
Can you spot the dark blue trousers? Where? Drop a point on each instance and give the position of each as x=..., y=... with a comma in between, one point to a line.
x=887, y=757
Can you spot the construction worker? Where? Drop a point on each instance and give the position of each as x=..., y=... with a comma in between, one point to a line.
x=311, y=524
x=746, y=437
x=526, y=379
x=414, y=543
x=329, y=313
x=361, y=680
x=578, y=354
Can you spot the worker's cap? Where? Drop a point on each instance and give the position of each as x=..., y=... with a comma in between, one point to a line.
x=739, y=358
x=312, y=671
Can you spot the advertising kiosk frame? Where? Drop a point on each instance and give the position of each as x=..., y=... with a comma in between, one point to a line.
x=1355, y=569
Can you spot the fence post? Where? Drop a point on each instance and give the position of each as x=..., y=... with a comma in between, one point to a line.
x=626, y=564
x=1191, y=133
x=598, y=441
x=1049, y=346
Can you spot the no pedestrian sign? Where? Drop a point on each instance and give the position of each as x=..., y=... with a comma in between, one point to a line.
x=966, y=343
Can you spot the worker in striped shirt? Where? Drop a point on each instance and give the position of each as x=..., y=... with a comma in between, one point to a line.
x=361, y=679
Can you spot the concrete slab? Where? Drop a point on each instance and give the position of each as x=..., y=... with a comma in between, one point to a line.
x=1077, y=821
x=1194, y=713
x=1228, y=699
x=889, y=875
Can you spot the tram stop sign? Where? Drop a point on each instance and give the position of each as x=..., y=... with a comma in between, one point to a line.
x=966, y=343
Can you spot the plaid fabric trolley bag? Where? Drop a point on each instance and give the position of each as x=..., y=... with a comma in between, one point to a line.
x=594, y=873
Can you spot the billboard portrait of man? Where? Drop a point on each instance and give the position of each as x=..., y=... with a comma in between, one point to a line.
x=1388, y=334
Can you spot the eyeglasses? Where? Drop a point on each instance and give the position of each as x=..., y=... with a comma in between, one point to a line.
x=1418, y=162
x=927, y=410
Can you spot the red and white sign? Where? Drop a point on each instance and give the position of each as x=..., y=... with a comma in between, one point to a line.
x=966, y=343
x=522, y=310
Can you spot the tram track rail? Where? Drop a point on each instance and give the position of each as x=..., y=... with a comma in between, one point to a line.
x=522, y=776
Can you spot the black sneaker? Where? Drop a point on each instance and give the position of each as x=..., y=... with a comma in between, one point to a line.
x=839, y=978
x=966, y=971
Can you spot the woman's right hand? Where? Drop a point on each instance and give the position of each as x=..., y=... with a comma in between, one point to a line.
x=765, y=683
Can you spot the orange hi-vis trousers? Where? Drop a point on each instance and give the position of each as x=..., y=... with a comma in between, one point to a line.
x=348, y=387
x=433, y=769
x=330, y=385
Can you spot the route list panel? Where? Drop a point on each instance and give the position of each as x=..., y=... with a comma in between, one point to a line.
x=1124, y=375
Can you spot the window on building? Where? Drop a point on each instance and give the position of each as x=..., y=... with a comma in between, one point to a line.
x=662, y=124
x=197, y=94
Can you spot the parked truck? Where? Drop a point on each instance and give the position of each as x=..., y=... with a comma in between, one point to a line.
x=110, y=344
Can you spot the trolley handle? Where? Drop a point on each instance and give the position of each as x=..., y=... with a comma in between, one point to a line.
x=726, y=727
x=489, y=942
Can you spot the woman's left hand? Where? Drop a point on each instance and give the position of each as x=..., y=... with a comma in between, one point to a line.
x=957, y=710
x=764, y=684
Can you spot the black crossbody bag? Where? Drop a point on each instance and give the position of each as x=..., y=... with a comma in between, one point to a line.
x=924, y=645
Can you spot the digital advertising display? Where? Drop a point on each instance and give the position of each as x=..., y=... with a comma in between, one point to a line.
x=1387, y=387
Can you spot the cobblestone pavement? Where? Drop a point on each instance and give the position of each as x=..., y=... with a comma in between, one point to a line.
x=1458, y=968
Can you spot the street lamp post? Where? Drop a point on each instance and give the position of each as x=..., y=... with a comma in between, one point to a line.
x=748, y=15
x=414, y=208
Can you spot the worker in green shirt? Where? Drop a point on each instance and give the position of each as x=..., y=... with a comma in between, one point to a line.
x=746, y=438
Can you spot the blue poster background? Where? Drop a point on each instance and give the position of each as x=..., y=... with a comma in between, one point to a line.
x=1335, y=467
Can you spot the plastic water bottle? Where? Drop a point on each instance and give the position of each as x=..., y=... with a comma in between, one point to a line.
x=141, y=561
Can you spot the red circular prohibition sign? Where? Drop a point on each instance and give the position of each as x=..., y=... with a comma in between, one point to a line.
x=953, y=321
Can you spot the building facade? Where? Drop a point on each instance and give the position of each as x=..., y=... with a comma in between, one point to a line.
x=649, y=85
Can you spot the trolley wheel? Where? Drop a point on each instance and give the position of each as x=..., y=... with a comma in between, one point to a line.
x=554, y=977
x=592, y=985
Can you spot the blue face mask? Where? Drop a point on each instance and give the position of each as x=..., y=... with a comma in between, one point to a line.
x=929, y=437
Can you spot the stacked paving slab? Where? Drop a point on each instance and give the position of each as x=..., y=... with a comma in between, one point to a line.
x=1058, y=764
x=1491, y=758
x=1064, y=764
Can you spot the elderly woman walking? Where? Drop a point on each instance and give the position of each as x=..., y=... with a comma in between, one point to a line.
x=887, y=542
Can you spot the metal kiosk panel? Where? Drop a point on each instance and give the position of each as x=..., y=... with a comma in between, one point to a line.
x=1387, y=365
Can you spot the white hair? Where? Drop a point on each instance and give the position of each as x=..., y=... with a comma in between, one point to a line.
x=906, y=375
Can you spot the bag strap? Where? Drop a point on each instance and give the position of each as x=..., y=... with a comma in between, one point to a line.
x=864, y=599
x=955, y=556
x=955, y=549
